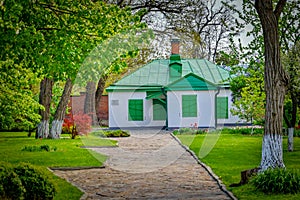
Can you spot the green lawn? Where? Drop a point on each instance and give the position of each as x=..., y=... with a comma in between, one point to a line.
x=234, y=153
x=67, y=154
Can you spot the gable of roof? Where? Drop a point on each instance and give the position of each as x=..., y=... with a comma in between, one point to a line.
x=191, y=82
x=156, y=74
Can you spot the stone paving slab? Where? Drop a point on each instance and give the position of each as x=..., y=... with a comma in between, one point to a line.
x=149, y=164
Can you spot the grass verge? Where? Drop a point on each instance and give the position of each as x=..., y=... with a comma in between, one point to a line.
x=234, y=153
x=67, y=154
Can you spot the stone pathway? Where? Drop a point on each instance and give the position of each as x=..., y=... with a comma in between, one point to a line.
x=149, y=164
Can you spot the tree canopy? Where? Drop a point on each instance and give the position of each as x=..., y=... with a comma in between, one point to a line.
x=51, y=39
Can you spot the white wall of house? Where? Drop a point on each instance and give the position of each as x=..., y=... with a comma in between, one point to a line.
x=205, y=113
x=232, y=119
x=118, y=110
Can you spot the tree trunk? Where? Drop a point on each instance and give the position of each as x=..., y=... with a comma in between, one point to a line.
x=98, y=95
x=290, y=139
x=272, y=156
x=89, y=104
x=276, y=81
x=292, y=122
x=56, y=127
x=45, y=100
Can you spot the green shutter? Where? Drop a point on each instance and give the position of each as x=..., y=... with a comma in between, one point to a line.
x=222, y=107
x=159, y=110
x=189, y=106
x=135, y=110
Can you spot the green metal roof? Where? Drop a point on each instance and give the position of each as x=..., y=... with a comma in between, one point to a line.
x=156, y=74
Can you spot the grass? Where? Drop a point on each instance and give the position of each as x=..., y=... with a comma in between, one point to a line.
x=68, y=153
x=234, y=153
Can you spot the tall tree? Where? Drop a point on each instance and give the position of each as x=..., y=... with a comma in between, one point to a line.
x=203, y=26
x=289, y=37
x=276, y=81
x=291, y=62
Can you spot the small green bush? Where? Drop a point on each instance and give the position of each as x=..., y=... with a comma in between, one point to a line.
x=112, y=133
x=116, y=133
x=277, y=181
x=24, y=181
x=243, y=131
x=297, y=133
x=189, y=131
x=39, y=148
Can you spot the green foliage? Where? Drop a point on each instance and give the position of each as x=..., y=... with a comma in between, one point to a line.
x=24, y=181
x=35, y=182
x=189, y=131
x=18, y=103
x=277, y=181
x=116, y=133
x=243, y=131
x=44, y=147
x=297, y=133
x=10, y=184
x=112, y=133
x=248, y=92
x=52, y=39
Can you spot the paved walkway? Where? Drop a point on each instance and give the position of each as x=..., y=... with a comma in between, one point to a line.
x=147, y=165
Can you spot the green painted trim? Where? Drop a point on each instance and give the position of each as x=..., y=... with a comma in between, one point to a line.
x=189, y=86
x=154, y=95
x=128, y=89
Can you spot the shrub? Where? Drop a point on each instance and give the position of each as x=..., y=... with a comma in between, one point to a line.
x=77, y=124
x=116, y=133
x=189, y=131
x=24, y=181
x=113, y=133
x=83, y=123
x=10, y=184
x=35, y=182
x=243, y=131
x=277, y=181
x=39, y=148
x=297, y=133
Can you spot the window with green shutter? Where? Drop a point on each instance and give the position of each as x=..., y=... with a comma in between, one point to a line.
x=135, y=110
x=159, y=110
x=222, y=107
x=189, y=106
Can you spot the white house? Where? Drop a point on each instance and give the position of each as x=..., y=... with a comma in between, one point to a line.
x=172, y=93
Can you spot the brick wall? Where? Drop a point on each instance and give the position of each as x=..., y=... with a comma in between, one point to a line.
x=76, y=105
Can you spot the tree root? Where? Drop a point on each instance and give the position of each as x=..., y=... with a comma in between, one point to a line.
x=245, y=176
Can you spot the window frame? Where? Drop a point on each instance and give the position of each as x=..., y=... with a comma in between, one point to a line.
x=189, y=104
x=135, y=110
x=222, y=108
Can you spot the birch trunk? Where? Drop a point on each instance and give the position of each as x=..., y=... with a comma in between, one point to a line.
x=56, y=127
x=45, y=100
x=290, y=139
x=276, y=81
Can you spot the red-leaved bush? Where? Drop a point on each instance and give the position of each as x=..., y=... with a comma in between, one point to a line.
x=83, y=123
x=77, y=124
